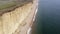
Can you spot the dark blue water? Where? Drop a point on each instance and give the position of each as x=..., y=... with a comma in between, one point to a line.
x=48, y=17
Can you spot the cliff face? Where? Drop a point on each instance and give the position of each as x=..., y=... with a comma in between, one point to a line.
x=19, y=20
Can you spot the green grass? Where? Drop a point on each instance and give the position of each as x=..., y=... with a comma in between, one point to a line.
x=7, y=5
x=4, y=5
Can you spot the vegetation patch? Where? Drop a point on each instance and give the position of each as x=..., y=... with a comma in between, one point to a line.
x=7, y=5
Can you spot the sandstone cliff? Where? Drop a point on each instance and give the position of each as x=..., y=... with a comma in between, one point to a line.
x=18, y=20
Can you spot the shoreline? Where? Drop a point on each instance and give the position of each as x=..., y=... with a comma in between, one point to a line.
x=34, y=16
x=30, y=28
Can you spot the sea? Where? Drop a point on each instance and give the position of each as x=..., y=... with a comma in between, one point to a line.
x=47, y=18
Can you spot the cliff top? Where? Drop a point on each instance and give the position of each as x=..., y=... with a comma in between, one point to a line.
x=8, y=5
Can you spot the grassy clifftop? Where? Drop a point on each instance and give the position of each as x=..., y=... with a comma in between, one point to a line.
x=7, y=5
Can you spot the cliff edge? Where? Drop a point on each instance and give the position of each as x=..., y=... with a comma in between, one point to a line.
x=9, y=5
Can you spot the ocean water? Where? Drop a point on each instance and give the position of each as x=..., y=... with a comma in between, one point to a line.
x=48, y=18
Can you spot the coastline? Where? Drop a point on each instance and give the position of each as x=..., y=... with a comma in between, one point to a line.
x=30, y=30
